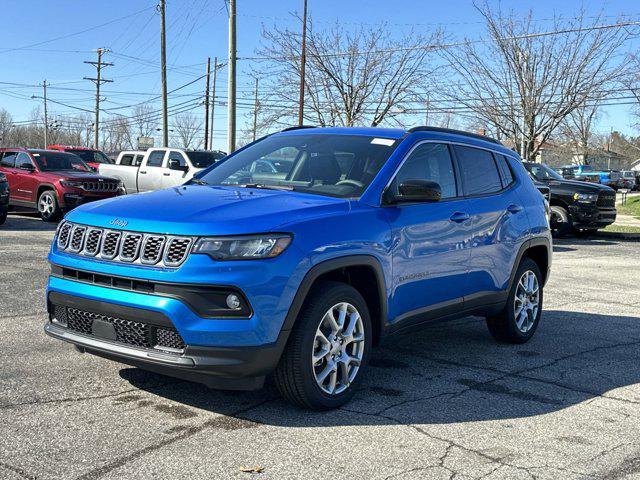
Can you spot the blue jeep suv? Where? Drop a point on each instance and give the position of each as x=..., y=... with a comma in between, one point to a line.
x=296, y=254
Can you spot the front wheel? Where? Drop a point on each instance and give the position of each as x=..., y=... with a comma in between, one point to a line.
x=560, y=221
x=48, y=207
x=519, y=319
x=328, y=349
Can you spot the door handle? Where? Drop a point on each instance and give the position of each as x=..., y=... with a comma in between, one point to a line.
x=166, y=174
x=513, y=208
x=143, y=172
x=459, y=217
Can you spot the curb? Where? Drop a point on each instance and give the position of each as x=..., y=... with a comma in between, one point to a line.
x=617, y=235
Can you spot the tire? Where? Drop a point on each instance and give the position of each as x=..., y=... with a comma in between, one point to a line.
x=3, y=217
x=560, y=221
x=504, y=326
x=48, y=207
x=584, y=232
x=296, y=376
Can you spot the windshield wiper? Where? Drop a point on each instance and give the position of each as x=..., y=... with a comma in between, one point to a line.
x=197, y=181
x=265, y=187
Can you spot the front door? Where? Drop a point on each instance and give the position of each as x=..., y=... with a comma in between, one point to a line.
x=429, y=249
x=172, y=178
x=150, y=173
x=25, y=182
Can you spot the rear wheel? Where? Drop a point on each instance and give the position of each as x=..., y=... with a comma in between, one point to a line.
x=48, y=207
x=328, y=349
x=560, y=221
x=519, y=319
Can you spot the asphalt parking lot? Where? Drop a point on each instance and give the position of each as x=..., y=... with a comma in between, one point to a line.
x=446, y=403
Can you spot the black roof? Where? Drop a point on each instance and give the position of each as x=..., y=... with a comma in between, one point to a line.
x=456, y=132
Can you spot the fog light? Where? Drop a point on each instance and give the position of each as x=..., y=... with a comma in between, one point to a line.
x=233, y=302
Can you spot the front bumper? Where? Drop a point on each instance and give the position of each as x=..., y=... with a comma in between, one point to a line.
x=592, y=216
x=73, y=199
x=236, y=368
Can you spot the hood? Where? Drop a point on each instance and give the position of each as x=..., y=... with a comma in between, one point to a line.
x=577, y=186
x=54, y=175
x=206, y=210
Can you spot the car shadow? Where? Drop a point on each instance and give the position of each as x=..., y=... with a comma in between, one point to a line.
x=22, y=222
x=450, y=373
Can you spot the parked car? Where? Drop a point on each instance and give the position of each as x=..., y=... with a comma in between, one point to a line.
x=52, y=182
x=575, y=206
x=159, y=168
x=226, y=279
x=4, y=198
x=628, y=180
x=587, y=173
x=92, y=157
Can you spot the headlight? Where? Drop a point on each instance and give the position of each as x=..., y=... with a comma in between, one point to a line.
x=71, y=183
x=585, y=197
x=245, y=247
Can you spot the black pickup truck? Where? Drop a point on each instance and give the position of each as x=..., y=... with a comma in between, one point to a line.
x=575, y=206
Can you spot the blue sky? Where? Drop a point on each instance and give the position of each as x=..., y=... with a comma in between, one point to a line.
x=197, y=29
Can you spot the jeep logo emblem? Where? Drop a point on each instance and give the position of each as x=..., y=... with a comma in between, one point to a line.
x=116, y=222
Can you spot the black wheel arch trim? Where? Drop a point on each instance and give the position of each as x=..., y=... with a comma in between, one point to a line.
x=527, y=245
x=331, y=265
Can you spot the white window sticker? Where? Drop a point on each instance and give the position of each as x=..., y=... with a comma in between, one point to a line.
x=387, y=142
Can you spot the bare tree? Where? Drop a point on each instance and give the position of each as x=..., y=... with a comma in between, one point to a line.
x=523, y=84
x=144, y=120
x=187, y=127
x=352, y=77
x=577, y=128
x=6, y=125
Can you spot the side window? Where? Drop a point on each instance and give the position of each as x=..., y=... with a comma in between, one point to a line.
x=177, y=156
x=23, y=158
x=126, y=160
x=506, y=175
x=138, y=160
x=429, y=161
x=155, y=158
x=8, y=160
x=478, y=171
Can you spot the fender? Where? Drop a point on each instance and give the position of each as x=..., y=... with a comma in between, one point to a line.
x=532, y=242
x=327, y=266
x=50, y=186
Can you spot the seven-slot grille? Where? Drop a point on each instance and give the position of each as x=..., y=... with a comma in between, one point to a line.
x=607, y=199
x=124, y=246
x=129, y=332
x=100, y=186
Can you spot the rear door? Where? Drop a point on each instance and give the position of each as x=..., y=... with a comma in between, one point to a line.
x=150, y=173
x=8, y=167
x=430, y=256
x=25, y=181
x=498, y=222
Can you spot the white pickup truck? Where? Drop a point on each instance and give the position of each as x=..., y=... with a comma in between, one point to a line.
x=158, y=168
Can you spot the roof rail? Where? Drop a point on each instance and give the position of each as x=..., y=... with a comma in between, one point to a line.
x=298, y=127
x=456, y=132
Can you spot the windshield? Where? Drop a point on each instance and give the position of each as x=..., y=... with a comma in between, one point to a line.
x=91, y=156
x=541, y=172
x=204, y=159
x=333, y=165
x=49, y=161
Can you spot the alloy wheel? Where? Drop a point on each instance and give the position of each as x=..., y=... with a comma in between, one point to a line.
x=46, y=205
x=527, y=301
x=338, y=348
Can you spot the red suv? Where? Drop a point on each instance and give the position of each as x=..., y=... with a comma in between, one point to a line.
x=90, y=156
x=52, y=182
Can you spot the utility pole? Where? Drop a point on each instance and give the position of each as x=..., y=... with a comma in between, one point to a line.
x=213, y=99
x=231, y=104
x=303, y=61
x=163, y=68
x=206, y=106
x=46, y=118
x=98, y=81
x=255, y=111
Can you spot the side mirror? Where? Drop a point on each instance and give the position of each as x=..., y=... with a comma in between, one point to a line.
x=27, y=166
x=175, y=165
x=414, y=191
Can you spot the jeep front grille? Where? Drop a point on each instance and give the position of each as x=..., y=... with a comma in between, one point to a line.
x=128, y=332
x=124, y=246
x=100, y=186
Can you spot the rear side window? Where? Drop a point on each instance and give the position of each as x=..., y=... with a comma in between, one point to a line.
x=138, y=160
x=429, y=161
x=126, y=160
x=155, y=158
x=505, y=171
x=478, y=170
x=8, y=160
